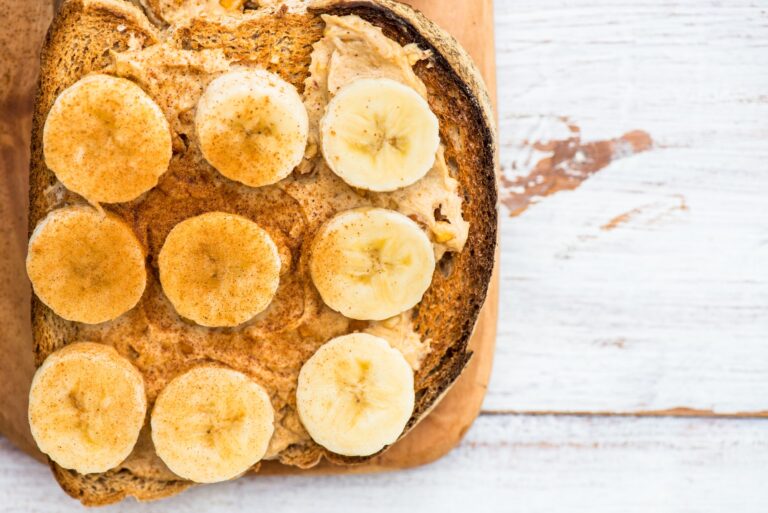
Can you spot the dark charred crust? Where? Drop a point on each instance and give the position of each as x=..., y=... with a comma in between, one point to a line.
x=483, y=218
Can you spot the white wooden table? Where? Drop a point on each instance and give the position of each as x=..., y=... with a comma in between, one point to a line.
x=632, y=365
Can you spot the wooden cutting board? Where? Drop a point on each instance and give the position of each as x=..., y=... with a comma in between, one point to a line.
x=471, y=22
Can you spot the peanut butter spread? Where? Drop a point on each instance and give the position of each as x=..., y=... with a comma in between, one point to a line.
x=272, y=347
x=351, y=49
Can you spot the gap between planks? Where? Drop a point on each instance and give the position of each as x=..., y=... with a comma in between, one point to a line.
x=672, y=412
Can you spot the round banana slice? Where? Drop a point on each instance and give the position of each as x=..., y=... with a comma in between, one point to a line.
x=87, y=266
x=212, y=424
x=106, y=140
x=355, y=395
x=219, y=269
x=379, y=134
x=86, y=407
x=371, y=263
x=252, y=127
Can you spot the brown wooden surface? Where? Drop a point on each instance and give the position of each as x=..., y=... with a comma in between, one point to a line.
x=471, y=22
x=25, y=23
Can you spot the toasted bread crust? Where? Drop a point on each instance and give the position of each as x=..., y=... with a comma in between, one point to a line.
x=449, y=310
x=103, y=489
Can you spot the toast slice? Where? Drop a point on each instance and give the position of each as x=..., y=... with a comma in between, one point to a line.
x=83, y=38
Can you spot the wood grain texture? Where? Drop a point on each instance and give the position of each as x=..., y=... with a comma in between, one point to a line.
x=506, y=463
x=20, y=42
x=645, y=289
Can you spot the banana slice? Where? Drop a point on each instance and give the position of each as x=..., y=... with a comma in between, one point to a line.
x=252, y=127
x=87, y=266
x=379, y=134
x=219, y=269
x=86, y=407
x=106, y=140
x=212, y=424
x=355, y=395
x=371, y=263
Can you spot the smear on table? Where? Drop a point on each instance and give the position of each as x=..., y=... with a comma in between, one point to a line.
x=651, y=213
x=544, y=165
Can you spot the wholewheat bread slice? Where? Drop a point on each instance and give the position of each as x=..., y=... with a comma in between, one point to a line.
x=80, y=41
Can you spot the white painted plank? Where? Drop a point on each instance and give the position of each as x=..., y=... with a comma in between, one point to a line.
x=506, y=463
x=670, y=308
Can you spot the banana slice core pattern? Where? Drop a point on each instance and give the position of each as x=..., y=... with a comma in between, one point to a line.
x=86, y=407
x=87, y=266
x=252, y=127
x=219, y=269
x=355, y=395
x=371, y=263
x=212, y=424
x=92, y=134
x=379, y=134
